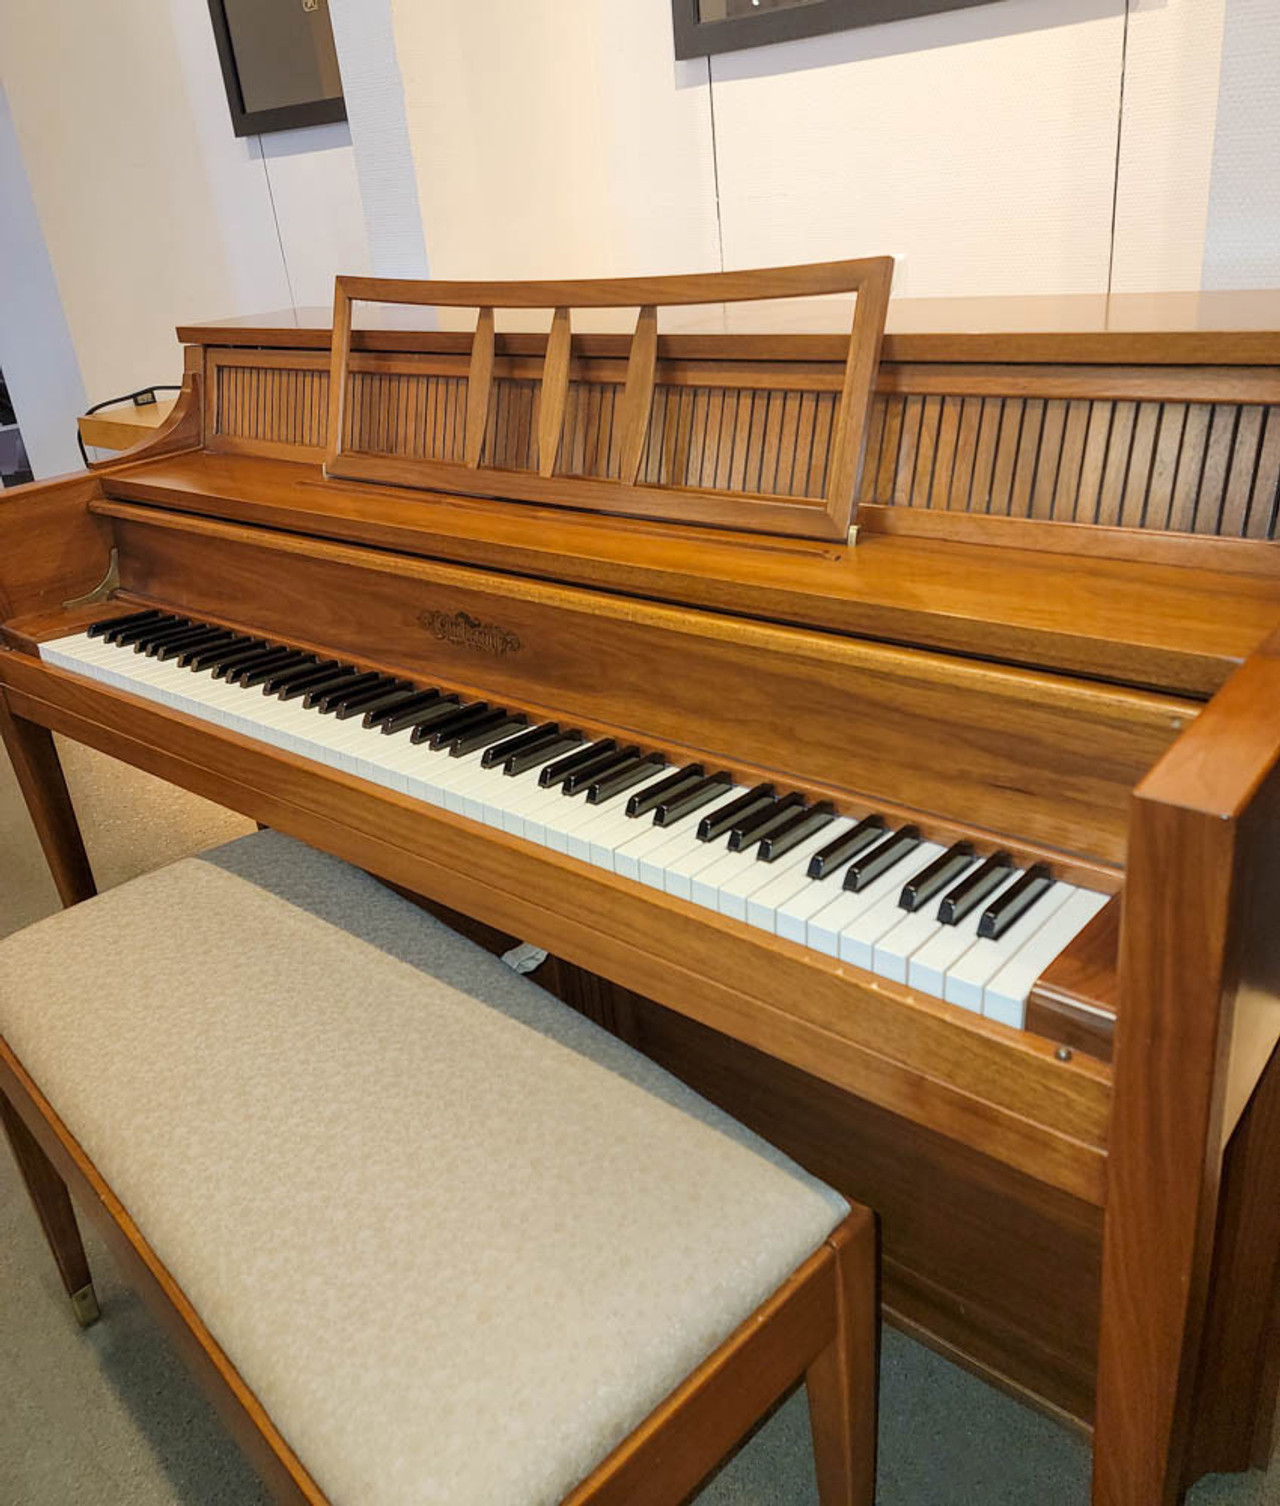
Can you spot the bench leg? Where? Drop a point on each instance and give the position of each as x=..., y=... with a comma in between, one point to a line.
x=842, y=1381
x=52, y=1203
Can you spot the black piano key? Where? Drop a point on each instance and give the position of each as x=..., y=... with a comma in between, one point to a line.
x=379, y=710
x=460, y=719
x=325, y=701
x=282, y=679
x=632, y=772
x=278, y=656
x=177, y=646
x=880, y=859
x=675, y=784
x=215, y=654
x=321, y=678
x=718, y=822
x=748, y=831
x=534, y=758
x=794, y=830
x=128, y=636
x=355, y=693
x=607, y=763
x=407, y=714
x=532, y=738
x=969, y=893
x=424, y=721
x=120, y=624
x=483, y=733
x=847, y=845
x=1014, y=903
x=186, y=659
x=299, y=659
x=149, y=640
x=945, y=869
x=223, y=666
x=559, y=770
x=676, y=807
x=469, y=719
x=371, y=700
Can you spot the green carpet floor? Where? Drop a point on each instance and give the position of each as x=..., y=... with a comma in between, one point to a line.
x=108, y=1417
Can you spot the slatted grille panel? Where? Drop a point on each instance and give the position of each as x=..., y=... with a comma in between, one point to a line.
x=419, y=417
x=509, y=441
x=736, y=439
x=282, y=405
x=1208, y=468
x=1211, y=468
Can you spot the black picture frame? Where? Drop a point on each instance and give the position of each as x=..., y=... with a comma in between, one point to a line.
x=695, y=38
x=259, y=122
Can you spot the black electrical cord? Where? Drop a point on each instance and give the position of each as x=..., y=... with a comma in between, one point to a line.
x=110, y=402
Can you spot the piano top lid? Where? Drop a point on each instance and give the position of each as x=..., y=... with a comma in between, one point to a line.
x=1194, y=328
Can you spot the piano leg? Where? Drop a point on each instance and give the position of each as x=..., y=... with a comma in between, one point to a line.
x=52, y=1203
x=35, y=761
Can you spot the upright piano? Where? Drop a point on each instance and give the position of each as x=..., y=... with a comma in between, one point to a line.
x=882, y=733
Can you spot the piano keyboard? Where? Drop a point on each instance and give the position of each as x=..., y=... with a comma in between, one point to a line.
x=973, y=929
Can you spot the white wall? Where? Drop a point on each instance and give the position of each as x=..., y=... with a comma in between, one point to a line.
x=984, y=146
x=42, y=374
x=1242, y=248
x=152, y=211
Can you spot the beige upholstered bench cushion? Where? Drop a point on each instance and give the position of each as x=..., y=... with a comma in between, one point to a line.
x=457, y=1239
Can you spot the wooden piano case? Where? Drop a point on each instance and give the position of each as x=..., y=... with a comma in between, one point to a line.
x=1064, y=590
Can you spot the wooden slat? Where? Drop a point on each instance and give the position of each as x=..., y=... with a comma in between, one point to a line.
x=478, y=380
x=637, y=395
x=553, y=391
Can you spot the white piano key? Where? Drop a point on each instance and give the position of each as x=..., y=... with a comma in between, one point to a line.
x=790, y=876
x=972, y=972
x=868, y=929
x=927, y=968
x=824, y=929
x=858, y=939
x=707, y=884
x=740, y=893
x=1005, y=997
x=594, y=840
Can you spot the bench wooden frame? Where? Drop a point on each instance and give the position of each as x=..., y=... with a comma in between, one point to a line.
x=820, y=1326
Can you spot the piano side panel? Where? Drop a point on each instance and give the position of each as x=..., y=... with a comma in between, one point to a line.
x=51, y=548
x=1042, y=759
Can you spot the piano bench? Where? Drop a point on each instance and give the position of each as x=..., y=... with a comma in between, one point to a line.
x=424, y=1232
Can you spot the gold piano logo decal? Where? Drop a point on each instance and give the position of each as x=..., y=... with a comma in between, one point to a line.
x=467, y=632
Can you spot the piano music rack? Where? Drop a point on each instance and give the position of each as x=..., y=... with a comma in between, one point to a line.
x=681, y=442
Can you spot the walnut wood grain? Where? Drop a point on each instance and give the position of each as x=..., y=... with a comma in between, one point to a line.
x=1198, y=947
x=1076, y=998
x=1030, y=765
x=49, y=1199
x=357, y=451
x=1183, y=630
x=44, y=788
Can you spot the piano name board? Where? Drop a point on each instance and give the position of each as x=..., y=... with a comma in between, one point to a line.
x=469, y=632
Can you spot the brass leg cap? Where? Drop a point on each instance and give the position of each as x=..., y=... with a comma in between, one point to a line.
x=84, y=1304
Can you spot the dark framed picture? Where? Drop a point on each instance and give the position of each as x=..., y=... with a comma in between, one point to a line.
x=706, y=26
x=279, y=64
